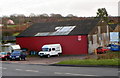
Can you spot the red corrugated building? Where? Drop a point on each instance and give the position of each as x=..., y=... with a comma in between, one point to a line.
x=72, y=35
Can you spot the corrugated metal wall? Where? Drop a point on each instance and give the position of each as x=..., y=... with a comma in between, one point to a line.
x=71, y=45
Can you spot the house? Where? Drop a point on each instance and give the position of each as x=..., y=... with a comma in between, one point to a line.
x=72, y=35
x=117, y=28
x=100, y=35
x=11, y=22
x=6, y=39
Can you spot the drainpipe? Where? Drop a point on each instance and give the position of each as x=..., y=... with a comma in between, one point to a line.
x=99, y=36
x=108, y=35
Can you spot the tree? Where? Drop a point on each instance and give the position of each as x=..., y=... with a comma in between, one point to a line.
x=4, y=20
x=70, y=15
x=21, y=18
x=32, y=15
x=102, y=13
x=56, y=15
x=43, y=15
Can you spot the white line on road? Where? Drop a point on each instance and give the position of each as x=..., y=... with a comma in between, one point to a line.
x=31, y=70
x=4, y=68
x=19, y=69
x=57, y=73
x=74, y=74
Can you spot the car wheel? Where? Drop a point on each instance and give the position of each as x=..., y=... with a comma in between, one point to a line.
x=104, y=52
x=24, y=59
x=48, y=56
x=19, y=59
x=6, y=59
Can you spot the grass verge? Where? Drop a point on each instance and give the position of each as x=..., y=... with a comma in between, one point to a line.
x=91, y=62
x=11, y=25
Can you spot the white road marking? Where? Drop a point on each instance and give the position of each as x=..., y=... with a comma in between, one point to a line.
x=4, y=68
x=31, y=70
x=27, y=70
x=74, y=74
x=19, y=69
x=57, y=73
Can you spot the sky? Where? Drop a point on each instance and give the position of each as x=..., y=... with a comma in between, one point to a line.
x=81, y=8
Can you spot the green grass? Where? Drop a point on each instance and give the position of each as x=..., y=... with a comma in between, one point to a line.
x=15, y=34
x=110, y=58
x=91, y=62
x=11, y=25
x=109, y=55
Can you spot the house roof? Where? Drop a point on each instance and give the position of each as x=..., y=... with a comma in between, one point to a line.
x=113, y=26
x=81, y=27
x=8, y=38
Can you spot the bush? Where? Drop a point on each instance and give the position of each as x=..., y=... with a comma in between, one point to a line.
x=109, y=55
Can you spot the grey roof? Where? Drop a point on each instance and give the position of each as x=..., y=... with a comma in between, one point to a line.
x=82, y=27
x=113, y=26
x=8, y=38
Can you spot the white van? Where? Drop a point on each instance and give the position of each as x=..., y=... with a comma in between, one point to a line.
x=10, y=47
x=50, y=50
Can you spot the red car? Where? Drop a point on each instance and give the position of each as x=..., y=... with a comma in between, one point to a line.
x=4, y=55
x=101, y=50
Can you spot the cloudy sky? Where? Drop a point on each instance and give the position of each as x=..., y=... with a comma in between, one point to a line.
x=64, y=7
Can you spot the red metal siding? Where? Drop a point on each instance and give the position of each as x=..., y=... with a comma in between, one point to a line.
x=70, y=44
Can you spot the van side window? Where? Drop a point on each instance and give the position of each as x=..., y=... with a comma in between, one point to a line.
x=50, y=49
x=53, y=49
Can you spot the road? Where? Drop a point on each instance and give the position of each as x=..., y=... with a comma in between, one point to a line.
x=42, y=70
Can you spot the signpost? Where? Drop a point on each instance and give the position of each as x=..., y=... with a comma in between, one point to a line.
x=115, y=40
x=114, y=36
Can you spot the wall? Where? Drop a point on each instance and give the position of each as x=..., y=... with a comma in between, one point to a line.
x=71, y=45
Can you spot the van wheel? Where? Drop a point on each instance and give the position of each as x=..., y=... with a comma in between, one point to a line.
x=48, y=56
x=41, y=56
x=58, y=54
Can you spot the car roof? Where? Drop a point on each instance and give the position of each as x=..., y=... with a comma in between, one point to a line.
x=17, y=51
x=3, y=52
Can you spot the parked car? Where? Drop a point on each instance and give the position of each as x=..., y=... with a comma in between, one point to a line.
x=115, y=47
x=101, y=50
x=4, y=55
x=18, y=55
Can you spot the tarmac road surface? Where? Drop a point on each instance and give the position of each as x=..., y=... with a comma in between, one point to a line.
x=44, y=70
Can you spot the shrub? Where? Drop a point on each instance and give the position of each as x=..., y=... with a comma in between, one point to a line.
x=109, y=55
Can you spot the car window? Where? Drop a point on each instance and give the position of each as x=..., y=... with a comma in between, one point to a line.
x=16, y=53
x=3, y=53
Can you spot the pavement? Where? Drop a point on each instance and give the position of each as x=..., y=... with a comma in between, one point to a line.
x=43, y=60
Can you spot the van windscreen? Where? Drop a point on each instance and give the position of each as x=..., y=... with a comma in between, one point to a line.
x=45, y=49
